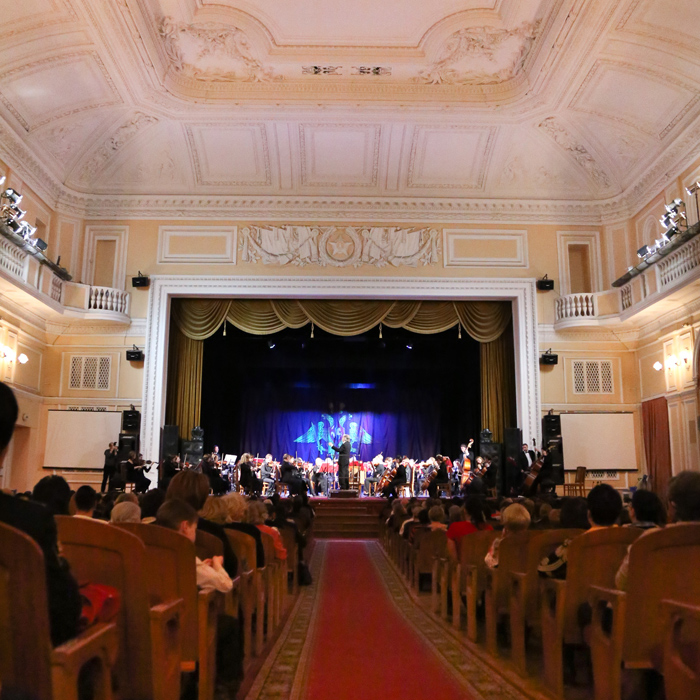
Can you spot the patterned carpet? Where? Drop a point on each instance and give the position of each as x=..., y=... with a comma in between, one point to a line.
x=383, y=644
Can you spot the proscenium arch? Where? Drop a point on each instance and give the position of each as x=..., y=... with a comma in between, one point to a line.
x=520, y=292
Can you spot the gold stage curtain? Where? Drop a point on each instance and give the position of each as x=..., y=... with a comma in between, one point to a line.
x=498, y=384
x=198, y=319
x=184, y=396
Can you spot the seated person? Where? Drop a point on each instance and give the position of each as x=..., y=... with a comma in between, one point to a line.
x=236, y=506
x=515, y=518
x=473, y=520
x=247, y=478
x=441, y=478
x=436, y=515
x=85, y=500
x=211, y=575
x=399, y=479
x=604, y=505
x=289, y=475
x=256, y=514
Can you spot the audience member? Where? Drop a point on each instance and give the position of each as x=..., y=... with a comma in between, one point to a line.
x=515, y=518
x=125, y=512
x=54, y=493
x=436, y=515
x=257, y=515
x=236, y=507
x=85, y=500
x=151, y=501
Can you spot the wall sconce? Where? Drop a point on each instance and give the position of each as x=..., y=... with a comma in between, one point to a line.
x=685, y=355
x=671, y=362
x=22, y=359
x=7, y=353
x=657, y=366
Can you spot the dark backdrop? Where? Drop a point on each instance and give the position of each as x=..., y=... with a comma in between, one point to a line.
x=297, y=395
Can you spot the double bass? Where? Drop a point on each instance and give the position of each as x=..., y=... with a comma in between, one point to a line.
x=532, y=474
x=466, y=466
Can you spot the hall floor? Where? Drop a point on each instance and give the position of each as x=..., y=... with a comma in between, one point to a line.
x=359, y=632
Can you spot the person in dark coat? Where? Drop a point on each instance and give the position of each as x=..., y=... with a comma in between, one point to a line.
x=343, y=462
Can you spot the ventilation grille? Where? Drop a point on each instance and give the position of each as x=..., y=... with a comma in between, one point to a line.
x=90, y=372
x=593, y=377
x=601, y=475
x=87, y=408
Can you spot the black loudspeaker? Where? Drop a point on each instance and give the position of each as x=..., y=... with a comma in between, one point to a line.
x=135, y=355
x=140, y=281
x=131, y=421
x=545, y=284
x=169, y=441
x=127, y=443
x=193, y=450
x=512, y=442
x=494, y=452
x=551, y=427
x=549, y=358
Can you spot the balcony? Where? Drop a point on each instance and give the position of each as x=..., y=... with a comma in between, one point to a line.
x=37, y=287
x=586, y=308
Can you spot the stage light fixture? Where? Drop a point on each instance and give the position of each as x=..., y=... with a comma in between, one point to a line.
x=270, y=344
x=644, y=251
x=657, y=366
x=409, y=346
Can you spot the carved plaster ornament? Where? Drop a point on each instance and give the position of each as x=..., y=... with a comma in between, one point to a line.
x=212, y=52
x=559, y=133
x=481, y=55
x=115, y=143
x=339, y=246
x=515, y=172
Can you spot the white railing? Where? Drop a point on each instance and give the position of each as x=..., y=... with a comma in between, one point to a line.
x=108, y=299
x=576, y=306
x=56, y=289
x=12, y=259
x=626, y=296
x=679, y=263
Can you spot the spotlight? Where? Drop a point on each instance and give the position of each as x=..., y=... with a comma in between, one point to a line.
x=675, y=205
x=644, y=251
x=409, y=346
x=41, y=244
x=270, y=344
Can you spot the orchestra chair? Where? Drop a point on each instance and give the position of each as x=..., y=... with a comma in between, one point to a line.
x=287, y=535
x=469, y=577
x=171, y=556
x=252, y=590
x=428, y=545
x=149, y=654
x=525, y=591
x=512, y=556
x=681, y=665
x=593, y=559
x=28, y=661
x=662, y=566
x=578, y=488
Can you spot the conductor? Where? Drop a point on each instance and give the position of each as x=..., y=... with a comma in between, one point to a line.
x=343, y=462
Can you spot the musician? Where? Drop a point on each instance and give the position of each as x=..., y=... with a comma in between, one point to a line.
x=343, y=462
x=476, y=485
x=110, y=465
x=267, y=472
x=247, y=478
x=319, y=480
x=399, y=479
x=171, y=466
x=289, y=475
x=545, y=473
x=466, y=453
x=526, y=458
x=215, y=454
x=135, y=467
x=441, y=479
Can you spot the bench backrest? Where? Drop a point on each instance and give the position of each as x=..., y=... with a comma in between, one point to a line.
x=244, y=547
x=512, y=556
x=472, y=552
x=171, y=575
x=431, y=544
x=101, y=553
x=663, y=564
x=208, y=545
x=25, y=638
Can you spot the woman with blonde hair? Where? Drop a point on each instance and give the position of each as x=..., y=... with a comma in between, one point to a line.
x=257, y=515
x=237, y=507
x=515, y=518
x=215, y=510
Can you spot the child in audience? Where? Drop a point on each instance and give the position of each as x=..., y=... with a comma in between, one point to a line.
x=515, y=518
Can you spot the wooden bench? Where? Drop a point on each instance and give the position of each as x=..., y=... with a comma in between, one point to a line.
x=469, y=577
x=593, y=559
x=171, y=556
x=525, y=589
x=275, y=576
x=681, y=665
x=512, y=556
x=429, y=545
x=148, y=661
x=287, y=535
x=663, y=565
x=27, y=660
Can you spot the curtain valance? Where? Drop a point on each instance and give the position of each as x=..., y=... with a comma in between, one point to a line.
x=198, y=319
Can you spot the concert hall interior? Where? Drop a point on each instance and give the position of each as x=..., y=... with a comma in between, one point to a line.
x=430, y=257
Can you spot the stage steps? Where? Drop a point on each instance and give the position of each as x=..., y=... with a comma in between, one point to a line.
x=347, y=518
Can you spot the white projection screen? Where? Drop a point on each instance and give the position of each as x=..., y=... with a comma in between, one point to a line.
x=598, y=441
x=78, y=439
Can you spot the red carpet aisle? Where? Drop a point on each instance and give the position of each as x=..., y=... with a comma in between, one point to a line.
x=356, y=633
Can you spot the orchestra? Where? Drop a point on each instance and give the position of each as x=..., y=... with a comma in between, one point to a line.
x=387, y=477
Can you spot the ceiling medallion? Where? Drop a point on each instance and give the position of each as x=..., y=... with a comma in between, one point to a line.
x=481, y=55
x=212, y=52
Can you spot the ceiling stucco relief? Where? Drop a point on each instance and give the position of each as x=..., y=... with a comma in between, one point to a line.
x=339, y=246
x=212, y=52
x=482, y=55
x=112, y=145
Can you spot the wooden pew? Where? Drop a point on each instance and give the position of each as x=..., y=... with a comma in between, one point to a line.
x=27, y=659
x=681, y=665
x=525, y=589
x=428, y=545
x=148, y=661
x=287, y=535
x=662, y=566
x=469, y=577
x=512, y=555
x=273, y=582
x=172, y=557
x=593, y=559
x=252, y=591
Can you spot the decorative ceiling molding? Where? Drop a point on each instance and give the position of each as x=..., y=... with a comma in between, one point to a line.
x=212, y=52
x=481, y=55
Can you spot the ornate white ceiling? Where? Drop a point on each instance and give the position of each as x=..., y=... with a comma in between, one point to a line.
x=112, y=105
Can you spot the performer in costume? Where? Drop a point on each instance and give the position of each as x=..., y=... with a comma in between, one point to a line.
x=343, y=462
